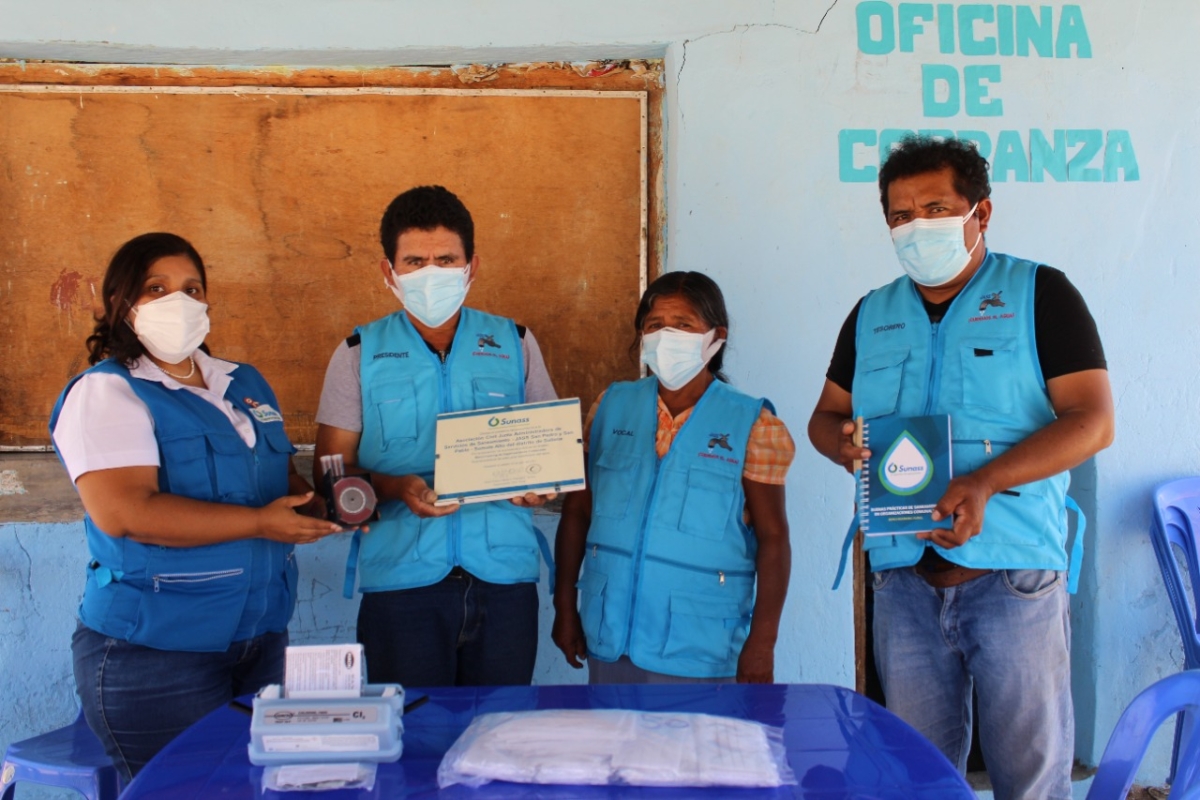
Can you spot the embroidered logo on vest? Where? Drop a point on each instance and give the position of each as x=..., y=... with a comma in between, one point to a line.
x=486, y=340
x=390, y=355
x=261, y=411
x=719, y=440
x=991, y=301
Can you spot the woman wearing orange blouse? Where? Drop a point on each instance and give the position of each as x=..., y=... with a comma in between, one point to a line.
x=682, y=535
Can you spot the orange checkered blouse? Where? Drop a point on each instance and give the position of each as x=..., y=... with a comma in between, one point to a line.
x=769, y=452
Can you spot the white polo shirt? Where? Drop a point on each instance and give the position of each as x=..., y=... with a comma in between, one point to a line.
x=103, y=424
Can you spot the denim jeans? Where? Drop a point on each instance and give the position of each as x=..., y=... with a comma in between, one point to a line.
x=138, y=699
x=461, y=631
x=1007, y=635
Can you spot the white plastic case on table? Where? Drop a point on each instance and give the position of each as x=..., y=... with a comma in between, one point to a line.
x=301, y=731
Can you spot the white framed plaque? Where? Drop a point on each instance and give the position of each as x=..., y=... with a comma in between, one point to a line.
x=498, y=453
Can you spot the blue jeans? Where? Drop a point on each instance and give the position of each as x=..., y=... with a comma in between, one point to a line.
x=138, y=699
x=461, y=631
x=1007, y=635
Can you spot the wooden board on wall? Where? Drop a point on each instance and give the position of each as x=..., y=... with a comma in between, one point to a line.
x=281, y=191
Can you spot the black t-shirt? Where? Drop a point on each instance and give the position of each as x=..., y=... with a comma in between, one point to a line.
x=1066, y=336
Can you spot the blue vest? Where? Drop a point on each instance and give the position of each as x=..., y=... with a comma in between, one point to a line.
x=404, y=387
x=669, y=573
x=196, y=599
x=980, y=366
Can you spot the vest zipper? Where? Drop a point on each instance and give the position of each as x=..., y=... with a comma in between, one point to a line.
x=610, y=549
x=721, y=574
x=932, y=382
x=257, y=466
x=194, y=577
x=444, y=401
x=638, y=556
x=987, y=443
x=637, y=553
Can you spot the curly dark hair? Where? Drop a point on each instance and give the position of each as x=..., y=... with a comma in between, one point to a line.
x=705, y=297
x=425, y=208
x=915, y=155
x=112, y=337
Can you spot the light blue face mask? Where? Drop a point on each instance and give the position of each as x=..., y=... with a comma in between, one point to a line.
x=932, y=251
x=432, y=294
x=675, y=356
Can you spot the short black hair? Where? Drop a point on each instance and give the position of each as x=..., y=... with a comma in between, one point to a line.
x=426, y=208
x=915, y=155
x=112, y=337
x=705, y=297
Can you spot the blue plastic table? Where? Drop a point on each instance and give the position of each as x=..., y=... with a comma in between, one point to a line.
x=840, y=745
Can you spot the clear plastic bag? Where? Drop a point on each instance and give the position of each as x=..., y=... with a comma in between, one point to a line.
x=319, y=777
x=603, y=746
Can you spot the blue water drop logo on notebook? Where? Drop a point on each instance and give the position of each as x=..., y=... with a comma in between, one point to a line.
x=906, y=467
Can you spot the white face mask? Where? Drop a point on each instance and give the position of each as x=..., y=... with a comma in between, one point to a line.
x=932, y=251
x=675, y=357
x=432, y=294
x=171, y=327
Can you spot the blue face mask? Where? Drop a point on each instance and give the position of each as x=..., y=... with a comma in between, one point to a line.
x=432, y=294
x=932, y=251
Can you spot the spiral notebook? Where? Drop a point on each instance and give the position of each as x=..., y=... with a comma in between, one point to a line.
x=910, y=467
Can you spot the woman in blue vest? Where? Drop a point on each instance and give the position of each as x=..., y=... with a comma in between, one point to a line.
x=682, y=535
x=191, y=504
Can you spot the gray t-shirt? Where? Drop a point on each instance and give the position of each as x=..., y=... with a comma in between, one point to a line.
x=341, y=396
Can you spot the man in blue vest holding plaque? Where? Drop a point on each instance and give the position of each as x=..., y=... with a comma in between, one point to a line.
x=1008, y=349
x=449, y=592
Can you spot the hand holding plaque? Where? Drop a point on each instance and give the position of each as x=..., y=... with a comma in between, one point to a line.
x=500, y=453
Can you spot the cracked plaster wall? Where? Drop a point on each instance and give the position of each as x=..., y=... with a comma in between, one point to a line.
x=755, y=97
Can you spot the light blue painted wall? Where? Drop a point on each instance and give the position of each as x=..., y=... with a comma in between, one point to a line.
x=757, y=92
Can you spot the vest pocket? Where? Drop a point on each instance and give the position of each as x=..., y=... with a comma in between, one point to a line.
x=494, y=392
x=231, y=464
x=185, y=465
x=707, y=503
x=987, y=370
x=877, y=383
x=276, y=438
x=405, y=532
x=510, y=534
x=395, y=404
x=192, y=600
x=702, y=628
x=274, y=457
x=613, y=480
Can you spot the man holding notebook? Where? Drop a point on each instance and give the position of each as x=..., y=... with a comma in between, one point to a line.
x=1007, y=348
